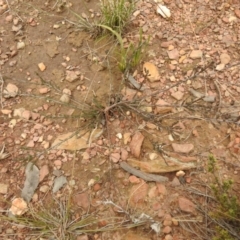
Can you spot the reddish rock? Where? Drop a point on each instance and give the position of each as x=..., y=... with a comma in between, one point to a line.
x=85, y=156
x=58, y=164
x=237, y=12
x=167, y=229
x=82, y=237
x=182, y=148
x=43, y=90
x=168, y=237
x=166, y=44
x=167, y=222
x=161, y=188
x=115, y=157
x=156, y=206
x=167, y=216
x=161, y=213
x=35, y=115
x=196, y=54
x=19, y=207
x=175, y=182
x=173, y=54
x=177, y=95
x=124, y=154
x=186, y=205
x=30, y=144
x=153, y=192
x=3, y=188
x=82, y=200
x=44, y=171
x=136, y=143
x=134, y=179
x=96, y=187
x=163, y=107
x=138, y=193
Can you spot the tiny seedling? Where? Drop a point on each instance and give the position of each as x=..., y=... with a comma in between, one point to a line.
x=132, y=56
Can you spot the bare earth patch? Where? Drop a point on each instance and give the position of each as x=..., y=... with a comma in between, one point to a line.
x=129, y=150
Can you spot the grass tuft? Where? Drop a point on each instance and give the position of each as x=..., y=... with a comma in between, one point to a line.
x=132, y=56
x=116, y=14
x=58, y=221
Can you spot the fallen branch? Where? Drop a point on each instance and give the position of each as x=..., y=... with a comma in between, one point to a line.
x=145, y=176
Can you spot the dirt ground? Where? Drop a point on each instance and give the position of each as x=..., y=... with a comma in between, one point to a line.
x=63, y=76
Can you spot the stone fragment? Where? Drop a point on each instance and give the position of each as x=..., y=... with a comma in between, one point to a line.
x=71, y=76
x=180, y=173
x=3, y=188
x=151, y=72
x=182, y=148
x=124, y=154
x=30, y=144
x=138, y=193
x=44, y=171
x=10, y=91
x=195, y=54
x=12, y=63
x=82, y=237
x=134, y=179
x=161, y=188
x=9, y=18
x=136, y=13
x=162, y=107
x=173, y=54
x=136, y=143
x=26, y=114
x=44, y=188
x=43, y=90
x=19, y=207
x=225, y=58
x=153, y=192
x=58, y=183
x=167, y=222
x=163, y=11
x=186, y=205
x=65, y=98
x=166, y=44
x=96, y=187
x=86, y=156
x=126, y=137
x=20, y=45
x=167, y=229
x=161, y=213
x=168, y=237
x=6, y=111
x=177, y=95
x=220, y=67
x=41, y=66
x=58, y=164
x=82, y=200
x=237, y=12
x=67, y=91
x=175, y=182
x=115, y=157
x=75, y=141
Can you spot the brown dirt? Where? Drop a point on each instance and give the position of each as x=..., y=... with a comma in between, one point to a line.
x=51, y=39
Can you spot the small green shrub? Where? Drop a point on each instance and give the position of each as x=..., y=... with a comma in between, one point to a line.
x=227, y=210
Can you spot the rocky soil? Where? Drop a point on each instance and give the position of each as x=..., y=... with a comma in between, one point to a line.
x=96, y=137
